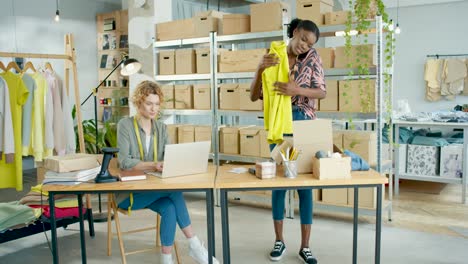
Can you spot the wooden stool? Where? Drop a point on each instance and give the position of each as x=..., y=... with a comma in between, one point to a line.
x=112, y=206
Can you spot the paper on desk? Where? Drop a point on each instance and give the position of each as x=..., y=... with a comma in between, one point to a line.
x=239, y=170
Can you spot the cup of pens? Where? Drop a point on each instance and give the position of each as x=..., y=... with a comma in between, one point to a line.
x=289, y=157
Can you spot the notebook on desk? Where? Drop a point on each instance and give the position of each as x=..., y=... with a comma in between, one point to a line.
x=184, y=159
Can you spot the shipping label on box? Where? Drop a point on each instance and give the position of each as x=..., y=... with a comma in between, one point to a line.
x=250, y=141
x=363, y=53
x=363, y=143
x=186, y=133
x=267, y=16
x=167, y=62
x=229, y=96
x=322, y=139
x=172, y=131
x=201, y=96
x=245, y=102
x=451, y=161
x=336, y=18
x=328, y=57
x=313, y=10
x=229, y=140
x=335, y=196
x=331, y=168
x=203, y=60
x=183, y=96
x=178, y=29
x=240, y=60
x=423, y=160
x=206, y=22
x=168, y=93
x=236, y=24
x=357, y=96
x=330, y=102
x=185, y=61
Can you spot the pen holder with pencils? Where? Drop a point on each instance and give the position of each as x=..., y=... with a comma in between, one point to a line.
x=290, y=168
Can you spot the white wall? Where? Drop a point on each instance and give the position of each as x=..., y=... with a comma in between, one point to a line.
x=37, y=32
x=429, y=29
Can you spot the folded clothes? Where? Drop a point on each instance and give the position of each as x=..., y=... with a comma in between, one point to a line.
x=60, y=212
x=357, y=163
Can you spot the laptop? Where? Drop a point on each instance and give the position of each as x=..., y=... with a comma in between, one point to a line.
x=184, y=159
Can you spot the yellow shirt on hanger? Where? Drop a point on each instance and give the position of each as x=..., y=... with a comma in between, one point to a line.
x=277, y=108
x=38, y=122
x=12, y=174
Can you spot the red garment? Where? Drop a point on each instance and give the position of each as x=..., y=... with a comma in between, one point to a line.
x=59, y=212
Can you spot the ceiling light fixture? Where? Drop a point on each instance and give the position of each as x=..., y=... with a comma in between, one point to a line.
x=57, y=12
x=397, y=29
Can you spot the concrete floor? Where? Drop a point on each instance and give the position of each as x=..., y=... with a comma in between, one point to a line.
x=251, y=240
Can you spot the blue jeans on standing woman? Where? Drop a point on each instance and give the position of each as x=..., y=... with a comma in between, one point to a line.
x=170, y=205
x=305, y=195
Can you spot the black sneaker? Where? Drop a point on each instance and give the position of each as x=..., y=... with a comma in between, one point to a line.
x=306, y=255
x=278, y=251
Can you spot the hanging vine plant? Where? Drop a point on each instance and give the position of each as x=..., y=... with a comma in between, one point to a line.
x=360, y=20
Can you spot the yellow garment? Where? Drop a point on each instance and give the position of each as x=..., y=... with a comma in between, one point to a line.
x=12, y=173
x=277, y=108
x=38, y=189
x=38, y=123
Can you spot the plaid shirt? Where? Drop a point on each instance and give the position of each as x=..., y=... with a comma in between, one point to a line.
x=308, y=74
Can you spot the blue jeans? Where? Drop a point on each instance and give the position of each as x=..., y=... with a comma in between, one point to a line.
x=170, y=205
x=305, y=195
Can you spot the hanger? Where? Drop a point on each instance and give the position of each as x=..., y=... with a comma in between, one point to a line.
x=29, y=66
x=48, y=66
x=2, y=67
x=13, y=65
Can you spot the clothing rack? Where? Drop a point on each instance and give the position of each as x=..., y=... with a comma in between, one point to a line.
x=446, y=55
x=70, y=64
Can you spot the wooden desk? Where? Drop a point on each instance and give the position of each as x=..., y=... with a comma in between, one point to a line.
x=227, y=181
x=191, y=183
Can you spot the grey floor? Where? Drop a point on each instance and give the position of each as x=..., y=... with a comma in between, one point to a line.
x=251, y=239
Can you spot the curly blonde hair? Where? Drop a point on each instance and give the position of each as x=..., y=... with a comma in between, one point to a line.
x=144, y=89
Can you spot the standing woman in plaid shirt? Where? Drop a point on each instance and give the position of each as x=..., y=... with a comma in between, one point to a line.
x=306, y=85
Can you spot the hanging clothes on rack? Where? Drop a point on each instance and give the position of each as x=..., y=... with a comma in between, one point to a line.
x=69, y=130
x=7, y=146
x=57, y=126
x=12, y=174
x=455, y=72
x=38, y=146
x=432, y=77
x=27, y=118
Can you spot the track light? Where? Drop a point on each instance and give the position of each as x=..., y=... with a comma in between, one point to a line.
x=397, y=29
x=390, y=25
x=57, y=12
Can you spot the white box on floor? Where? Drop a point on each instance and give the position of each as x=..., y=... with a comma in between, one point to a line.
x=423, y=160
x=451, y=161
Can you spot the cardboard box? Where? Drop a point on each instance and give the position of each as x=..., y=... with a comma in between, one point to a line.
x=203, y=60
x=322, y=140
x=71, y=162
x=267, y=16
x=328, y=57
x=338, y=139
x=186, y=134
x=201, y=96
x=356, y=96
x=313, y=10
x=229, y=140
x=336, y=18
x=185, y=61
x=40, y=171
x=423, y=160
x=229, y=96
x=264, y=145
x=183, y=96
x=245, y=102
x=166, y=62
x=451, y=161
x=236, y=24
x=331, y=168
x=202, y=133
x=335, y=196
x=342, y=61
x=206, y=22
x=250, y=141
x=177, y=29
x=172, y=131
x=240, y=60
x=330, y=102
x=168, y=92
x=363, y=143
x=367, y=197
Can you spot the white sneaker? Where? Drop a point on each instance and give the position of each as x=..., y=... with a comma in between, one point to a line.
x=199, y=253
x=167, y=259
